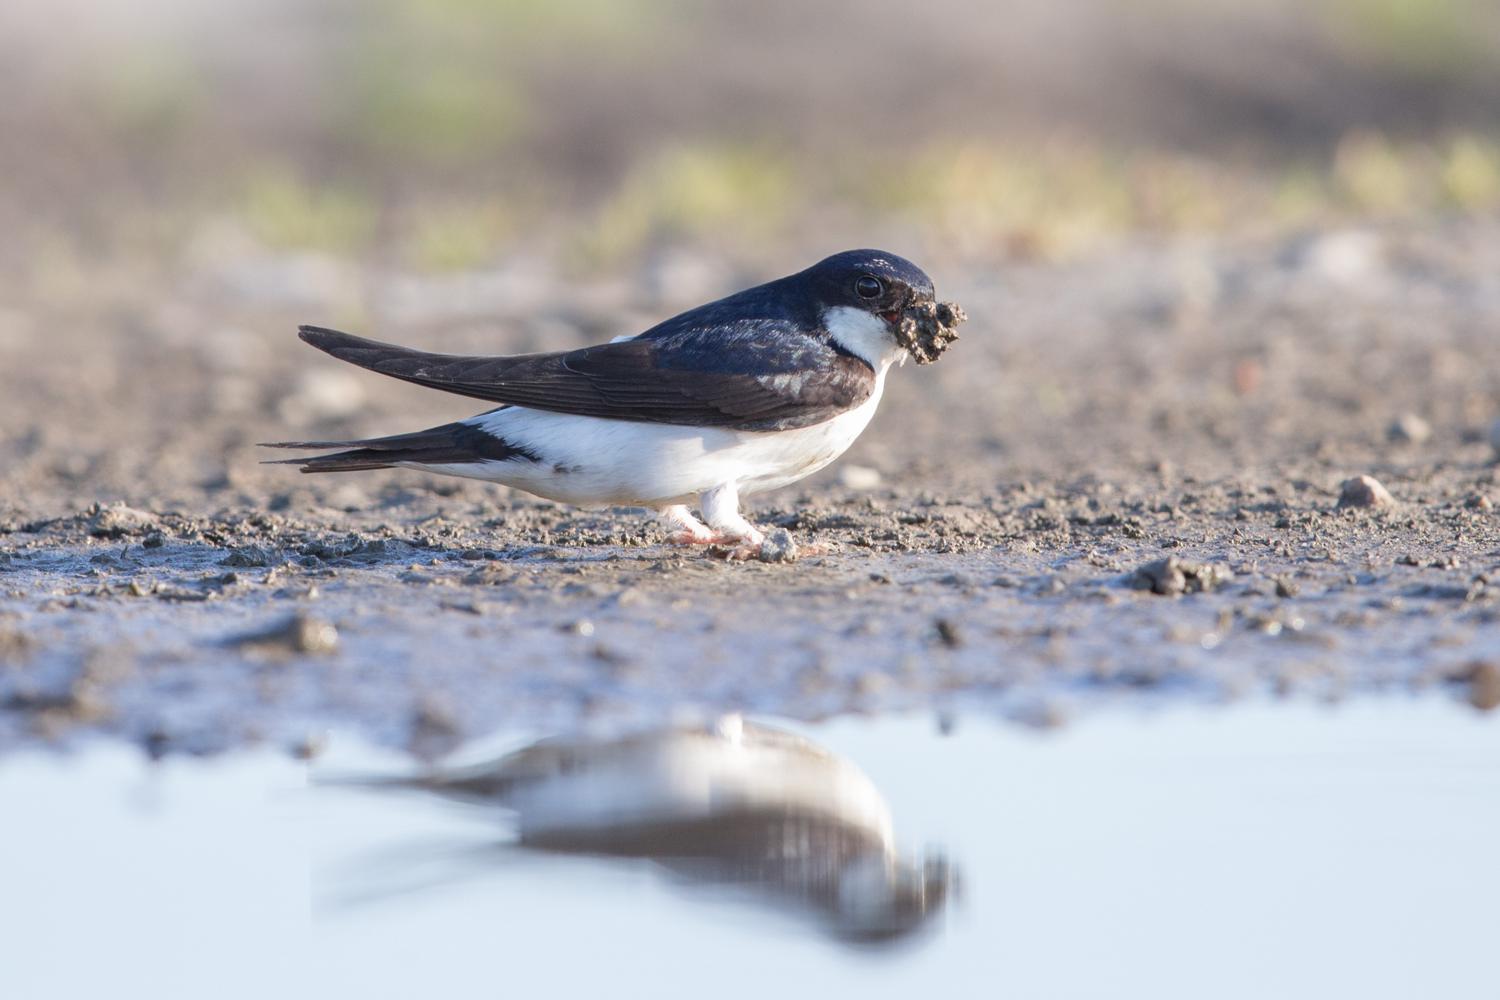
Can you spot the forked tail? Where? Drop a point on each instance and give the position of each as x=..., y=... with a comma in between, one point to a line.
x=451, y=444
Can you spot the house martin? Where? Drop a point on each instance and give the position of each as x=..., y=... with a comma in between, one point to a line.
x=736, y=397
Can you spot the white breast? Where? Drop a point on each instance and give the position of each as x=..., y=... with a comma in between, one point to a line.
x=784, y=457
x=590, y=460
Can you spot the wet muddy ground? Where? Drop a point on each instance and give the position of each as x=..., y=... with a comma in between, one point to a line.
x=1125, y=482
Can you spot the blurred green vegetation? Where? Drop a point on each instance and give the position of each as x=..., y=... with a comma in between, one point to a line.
x=443, y=80
x=285, y=212
x=458, y=237
x=1056, y=200
x=1441, y=38
x=423, y=131
x=151, y=95
x=1049, y=200
x=685, y=192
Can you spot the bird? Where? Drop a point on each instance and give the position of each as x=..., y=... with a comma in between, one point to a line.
x=742, y=395
x=726, y=804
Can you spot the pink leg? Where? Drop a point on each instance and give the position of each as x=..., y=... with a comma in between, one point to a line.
x=687, y=529
x=721, y=508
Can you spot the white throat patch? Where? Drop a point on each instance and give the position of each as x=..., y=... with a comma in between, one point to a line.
x=864, y=335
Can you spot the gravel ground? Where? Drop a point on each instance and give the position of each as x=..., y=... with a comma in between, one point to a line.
x=1130, y=480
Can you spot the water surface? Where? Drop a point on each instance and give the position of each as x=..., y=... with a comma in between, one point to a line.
x=1245, y=852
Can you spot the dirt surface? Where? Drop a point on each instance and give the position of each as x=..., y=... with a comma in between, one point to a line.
x=1123, y=483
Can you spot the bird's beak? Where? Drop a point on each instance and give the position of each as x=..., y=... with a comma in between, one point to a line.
x=893, y=316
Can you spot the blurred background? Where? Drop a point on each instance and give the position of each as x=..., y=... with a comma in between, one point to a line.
x=441, y=135
x=183, y=182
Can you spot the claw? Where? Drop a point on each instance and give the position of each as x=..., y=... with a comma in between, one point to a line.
x=688, y=536
x=744, y=552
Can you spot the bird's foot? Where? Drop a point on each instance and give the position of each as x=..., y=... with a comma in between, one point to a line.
x=697, y=536
x=743, y=552
x=742, y=545
x=687, y=529
x=776, y=547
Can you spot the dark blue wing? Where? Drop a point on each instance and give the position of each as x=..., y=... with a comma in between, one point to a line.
x=715, y=366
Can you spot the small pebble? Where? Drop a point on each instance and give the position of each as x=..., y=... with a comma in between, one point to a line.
x=1350, y=257
x=298, y=634
x=117, y=520
x=435, y=728
x=859, y=477
x=1484, y=685
x=322, y=395
x=948, y=633
x=251, y=555
x=306, y=634
x=1247, y=376
x=309, y=746
x=1364, y=491
x=1409, y=429
x=1172, y=576
x=14, y=645
x=779, y=546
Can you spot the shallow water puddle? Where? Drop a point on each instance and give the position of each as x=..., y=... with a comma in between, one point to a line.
x=1253, y=851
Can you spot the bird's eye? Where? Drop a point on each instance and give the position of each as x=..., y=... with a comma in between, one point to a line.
x=868, y=287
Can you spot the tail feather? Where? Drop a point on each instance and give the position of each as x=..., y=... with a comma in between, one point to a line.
x=479, y=377
x=451, y=444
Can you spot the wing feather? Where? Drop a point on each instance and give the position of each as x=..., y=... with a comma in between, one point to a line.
x=758, y=374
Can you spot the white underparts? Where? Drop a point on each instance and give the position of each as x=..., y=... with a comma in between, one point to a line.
x=592, y=461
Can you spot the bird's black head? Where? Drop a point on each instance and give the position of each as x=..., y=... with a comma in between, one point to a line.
x=870, y=280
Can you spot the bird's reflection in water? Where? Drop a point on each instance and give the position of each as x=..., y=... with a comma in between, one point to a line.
x=735, y=805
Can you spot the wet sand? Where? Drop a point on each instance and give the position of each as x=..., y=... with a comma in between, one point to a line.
x=1204, y=401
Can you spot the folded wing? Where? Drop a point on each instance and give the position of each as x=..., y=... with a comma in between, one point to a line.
x=760, y=374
